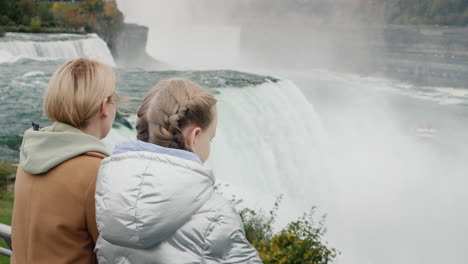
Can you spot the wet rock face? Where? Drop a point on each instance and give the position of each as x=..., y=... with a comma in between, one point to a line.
x=129, y=48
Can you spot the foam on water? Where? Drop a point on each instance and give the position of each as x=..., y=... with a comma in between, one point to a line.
x=7, y=57
x=33, y=74
x=13, y=48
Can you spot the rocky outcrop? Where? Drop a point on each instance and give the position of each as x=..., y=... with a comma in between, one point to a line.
x=129, y=48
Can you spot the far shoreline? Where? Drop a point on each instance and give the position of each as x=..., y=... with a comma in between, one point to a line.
x=43, y=30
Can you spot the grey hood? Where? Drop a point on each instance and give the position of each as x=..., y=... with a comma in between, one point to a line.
x=143, y=198
x=44, y=149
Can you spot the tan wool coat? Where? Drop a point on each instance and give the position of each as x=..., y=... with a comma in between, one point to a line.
x=54, y=209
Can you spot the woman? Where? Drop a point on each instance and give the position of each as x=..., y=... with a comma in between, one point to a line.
x=54, y=209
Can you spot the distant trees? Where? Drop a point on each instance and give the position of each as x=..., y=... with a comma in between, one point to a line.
x=104, y=18
x=424, y=12
x=35, y=24
x=44, y=12
x=91, y=15
x=413, y=12
x=67, y=16
x=25, y=11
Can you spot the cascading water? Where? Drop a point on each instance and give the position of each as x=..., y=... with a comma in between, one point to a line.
x=16, y=46
x=270, y=141
x=267, y=137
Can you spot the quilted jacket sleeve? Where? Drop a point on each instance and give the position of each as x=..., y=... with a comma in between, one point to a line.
x=226, y=241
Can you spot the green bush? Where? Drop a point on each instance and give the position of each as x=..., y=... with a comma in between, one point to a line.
x=301, y=242
x=259, y=227
x=6, y=200
x=4, y=21
x=6, y=209
x=6, y=169
x=45, y=13
x=35, y=25
x=2, y=32
x=23, y=28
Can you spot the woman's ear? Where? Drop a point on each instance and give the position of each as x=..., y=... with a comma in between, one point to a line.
x=105, y=108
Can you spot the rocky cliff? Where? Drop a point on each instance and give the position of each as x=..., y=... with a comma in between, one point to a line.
x=129, y=48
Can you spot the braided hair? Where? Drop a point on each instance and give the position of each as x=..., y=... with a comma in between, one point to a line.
x=169, y=107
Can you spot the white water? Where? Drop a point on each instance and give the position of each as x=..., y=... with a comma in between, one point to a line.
x=15, y=46
x=397, y=198
x=390, y=198
x=270, y=141
x=266, y=138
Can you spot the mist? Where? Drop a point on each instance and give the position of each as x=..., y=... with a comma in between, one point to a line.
x=397, y=197
x=391, y=195
x=210, y=34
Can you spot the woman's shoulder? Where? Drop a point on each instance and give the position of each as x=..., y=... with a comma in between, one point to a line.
x=85, y=163
x=97, y=155
x=83, y=168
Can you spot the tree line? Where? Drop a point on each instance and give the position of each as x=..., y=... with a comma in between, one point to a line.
x=421, y=12
x=102, y=17
x=403, y=12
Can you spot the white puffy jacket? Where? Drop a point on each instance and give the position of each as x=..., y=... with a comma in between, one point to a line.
x=157, y=205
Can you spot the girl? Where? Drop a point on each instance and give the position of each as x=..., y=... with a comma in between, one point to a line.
x=154, y=198
x=54, y=209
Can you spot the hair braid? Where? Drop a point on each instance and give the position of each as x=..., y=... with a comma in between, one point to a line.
x=169, y=108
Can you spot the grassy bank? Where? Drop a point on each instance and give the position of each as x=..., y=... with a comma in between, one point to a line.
x=7, y=168
x=6, y=207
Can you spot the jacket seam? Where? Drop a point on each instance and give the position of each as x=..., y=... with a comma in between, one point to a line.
x=84, y=204
x=205, y=244
x=29, y=222
x=207, y=233
x=136, y=204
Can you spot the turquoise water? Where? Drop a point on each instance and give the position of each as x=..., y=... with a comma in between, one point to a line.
x=22, y=86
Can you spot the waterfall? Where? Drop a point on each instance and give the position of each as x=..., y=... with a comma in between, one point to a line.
x=16, y=46
x=269, y=141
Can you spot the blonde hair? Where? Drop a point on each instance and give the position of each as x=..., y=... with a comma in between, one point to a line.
x=169, y=107
x=77, y=90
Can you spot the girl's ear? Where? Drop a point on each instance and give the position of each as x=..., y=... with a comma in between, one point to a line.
x=191, y=137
